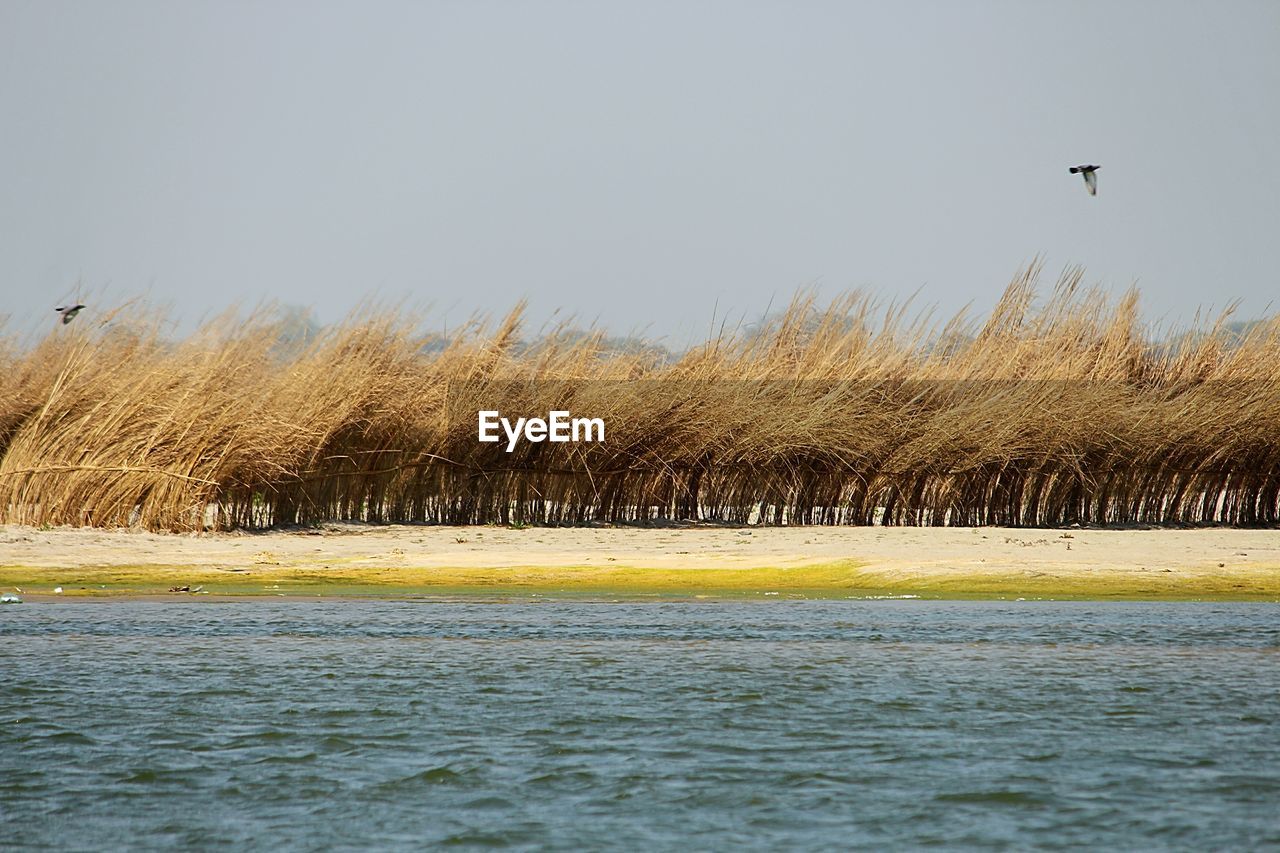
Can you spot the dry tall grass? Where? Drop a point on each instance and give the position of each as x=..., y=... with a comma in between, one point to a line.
x=848, y=415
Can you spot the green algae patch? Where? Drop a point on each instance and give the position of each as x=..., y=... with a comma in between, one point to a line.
x=1243, y=584
x=348, y=579
x=841, y=579
x=368, y=580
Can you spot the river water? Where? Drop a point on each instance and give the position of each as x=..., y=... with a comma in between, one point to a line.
x=639, y=725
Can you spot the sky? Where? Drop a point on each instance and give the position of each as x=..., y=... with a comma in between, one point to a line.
x=650, y=167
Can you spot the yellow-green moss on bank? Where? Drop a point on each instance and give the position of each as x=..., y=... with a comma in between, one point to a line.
x=838, y=579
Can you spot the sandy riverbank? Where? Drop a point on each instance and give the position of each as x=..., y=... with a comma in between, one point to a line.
x=359, y=559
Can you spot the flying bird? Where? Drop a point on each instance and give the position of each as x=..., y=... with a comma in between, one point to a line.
x=69, y=312
x=1090, y=178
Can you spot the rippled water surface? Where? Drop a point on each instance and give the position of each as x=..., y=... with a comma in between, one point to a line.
x=572, y=724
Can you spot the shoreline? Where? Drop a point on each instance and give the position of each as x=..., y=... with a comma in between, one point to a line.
x=343, y=560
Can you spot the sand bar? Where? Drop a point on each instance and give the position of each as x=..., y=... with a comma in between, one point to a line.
x=1217, y=563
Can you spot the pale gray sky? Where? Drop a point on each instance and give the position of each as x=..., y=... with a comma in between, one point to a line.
x=635, y=162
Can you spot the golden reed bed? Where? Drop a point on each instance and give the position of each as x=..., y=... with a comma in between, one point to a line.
x=1067, y=410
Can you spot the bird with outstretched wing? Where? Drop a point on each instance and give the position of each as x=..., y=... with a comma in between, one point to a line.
x=69, y=312
x=1089, y=173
